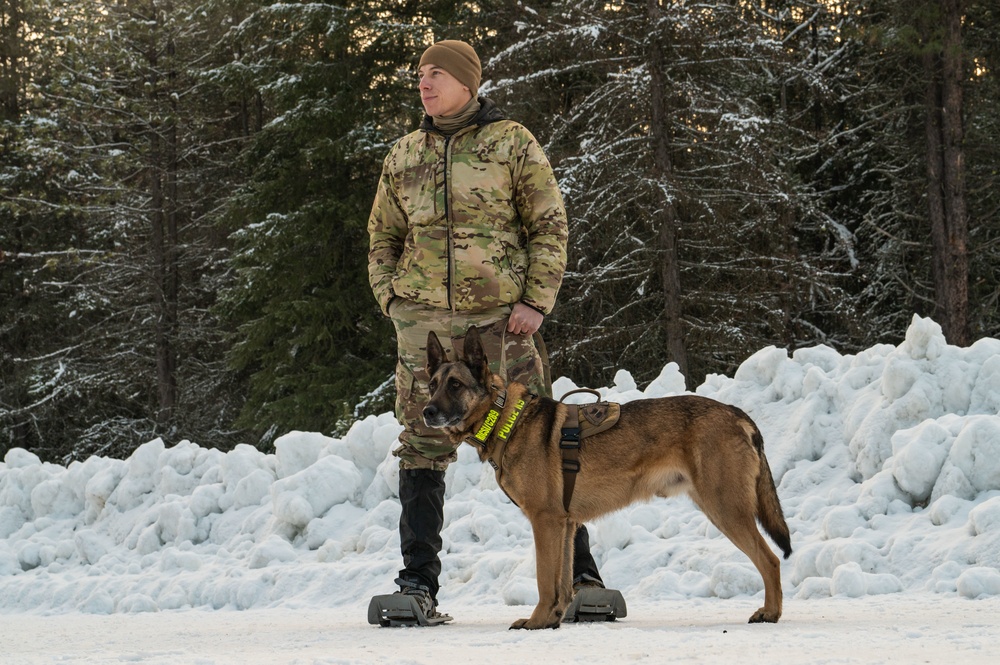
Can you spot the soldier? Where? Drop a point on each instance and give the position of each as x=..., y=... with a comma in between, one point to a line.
x=468, y=228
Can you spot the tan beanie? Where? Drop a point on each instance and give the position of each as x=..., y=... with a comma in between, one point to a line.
x=458, y=59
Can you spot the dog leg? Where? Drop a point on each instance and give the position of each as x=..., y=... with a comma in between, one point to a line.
x=550, y=534
x=566, y=577
x=737, y=522
x=769, y=567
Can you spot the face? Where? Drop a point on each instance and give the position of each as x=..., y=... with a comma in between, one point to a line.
x=441, y=93
x=456, y=388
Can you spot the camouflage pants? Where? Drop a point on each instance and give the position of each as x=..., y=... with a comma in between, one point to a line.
x=425, y=448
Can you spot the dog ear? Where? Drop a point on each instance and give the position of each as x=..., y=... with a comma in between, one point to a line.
x=435, y=354
x=475, y=356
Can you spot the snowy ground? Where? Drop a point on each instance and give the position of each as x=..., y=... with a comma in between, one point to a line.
x=887, y=464
x=907, y=628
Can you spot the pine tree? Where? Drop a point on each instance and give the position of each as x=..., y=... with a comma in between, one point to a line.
x=691, y=239
x=928, y=232
x=982, y=97
x=309, y=338
x=45, y=242
x=132, y=351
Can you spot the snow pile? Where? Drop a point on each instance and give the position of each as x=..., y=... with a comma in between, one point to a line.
x=887, y=465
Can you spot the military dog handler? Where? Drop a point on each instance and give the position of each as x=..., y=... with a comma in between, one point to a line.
x=468, y=227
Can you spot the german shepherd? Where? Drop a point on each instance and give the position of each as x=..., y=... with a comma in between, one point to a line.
x=658, y=447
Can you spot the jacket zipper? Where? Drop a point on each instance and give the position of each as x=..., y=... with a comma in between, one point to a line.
x=447, y=216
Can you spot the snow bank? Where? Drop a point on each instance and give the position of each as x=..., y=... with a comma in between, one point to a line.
x=887, y=464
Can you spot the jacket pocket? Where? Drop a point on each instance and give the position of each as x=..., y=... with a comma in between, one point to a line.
x=422, y=271
x=490, y=268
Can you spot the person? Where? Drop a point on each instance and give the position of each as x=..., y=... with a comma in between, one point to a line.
x=468, y=227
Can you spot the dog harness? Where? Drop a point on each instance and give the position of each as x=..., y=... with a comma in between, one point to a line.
x=582, y=421
x=597, y=417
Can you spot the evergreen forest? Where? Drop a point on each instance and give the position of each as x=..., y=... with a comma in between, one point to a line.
x=185, y=188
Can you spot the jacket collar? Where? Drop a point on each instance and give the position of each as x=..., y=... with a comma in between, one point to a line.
x=488, y=112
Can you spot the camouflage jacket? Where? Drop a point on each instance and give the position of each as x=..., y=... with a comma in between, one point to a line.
x=468, y=222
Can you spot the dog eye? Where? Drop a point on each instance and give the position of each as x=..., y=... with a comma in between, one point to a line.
x=454, y=384
x=432, y=386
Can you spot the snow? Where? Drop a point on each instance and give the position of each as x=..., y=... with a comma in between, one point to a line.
x=887, y=464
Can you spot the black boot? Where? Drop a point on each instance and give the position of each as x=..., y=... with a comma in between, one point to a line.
x=421, y=496
x=591, y=601
x=584, y=567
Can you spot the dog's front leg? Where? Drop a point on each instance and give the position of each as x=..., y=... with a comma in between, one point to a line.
x=566, y=577
x=550, y=533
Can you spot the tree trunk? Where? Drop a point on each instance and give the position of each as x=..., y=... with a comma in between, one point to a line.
x=172, y=248
x=666, y=212
x=10, y=56
x=935, y=179
x=159, y=253
x=163, y=241
x=956, y=296
x=946, y=198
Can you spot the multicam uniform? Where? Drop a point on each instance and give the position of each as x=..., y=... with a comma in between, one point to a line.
x=462, y=228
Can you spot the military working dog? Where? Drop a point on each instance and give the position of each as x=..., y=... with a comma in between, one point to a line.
x=658, y=448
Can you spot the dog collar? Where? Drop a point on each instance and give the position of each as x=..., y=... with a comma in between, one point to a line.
x=508, y=426
x=490, y=422
x=492, y=419
x=495, y=454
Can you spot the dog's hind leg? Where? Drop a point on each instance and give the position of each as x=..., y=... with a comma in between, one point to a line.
x=550, y=534
x=736, y=521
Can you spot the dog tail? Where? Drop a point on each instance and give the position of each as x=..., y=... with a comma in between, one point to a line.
x=769, y=512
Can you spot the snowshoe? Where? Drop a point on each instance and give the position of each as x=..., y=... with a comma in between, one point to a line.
x=412, y=605
x=592, y=603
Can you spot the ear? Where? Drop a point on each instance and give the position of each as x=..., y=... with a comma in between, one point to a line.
x=475, y=356
x=435, y=354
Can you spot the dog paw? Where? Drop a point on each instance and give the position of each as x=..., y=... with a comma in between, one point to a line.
x=763, y=616
x=528, y=624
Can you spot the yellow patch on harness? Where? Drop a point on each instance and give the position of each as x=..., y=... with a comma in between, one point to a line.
x=511, y=419
x=488, y=424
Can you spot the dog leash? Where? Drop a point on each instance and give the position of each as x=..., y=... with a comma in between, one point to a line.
x=503, y=356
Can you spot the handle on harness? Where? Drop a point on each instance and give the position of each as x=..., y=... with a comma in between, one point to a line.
x=581, y=390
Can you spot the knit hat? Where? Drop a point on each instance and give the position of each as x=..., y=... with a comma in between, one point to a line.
x=458, y=59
